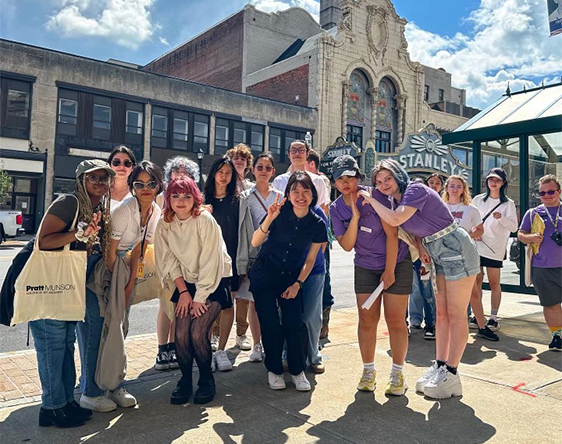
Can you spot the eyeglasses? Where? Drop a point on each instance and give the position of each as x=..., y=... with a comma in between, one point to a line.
x=102, y=180
x=117, y=162
x=455, y=187
x=297, y=150
x=549, y=192
x=264, y=168
x=142, y=185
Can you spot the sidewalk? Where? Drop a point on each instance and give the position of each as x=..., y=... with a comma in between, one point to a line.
x=512, y=394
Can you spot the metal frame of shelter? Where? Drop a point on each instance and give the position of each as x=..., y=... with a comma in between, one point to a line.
x=522, y=130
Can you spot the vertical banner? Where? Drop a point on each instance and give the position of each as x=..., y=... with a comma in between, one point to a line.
x=555, y=16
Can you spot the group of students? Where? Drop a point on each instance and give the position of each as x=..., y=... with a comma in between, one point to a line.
x=266, y=246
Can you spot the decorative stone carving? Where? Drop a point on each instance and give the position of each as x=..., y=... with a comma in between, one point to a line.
x=401, y=109
x=346, y=21
x=377, y=33
x=345, y=97
x=374, y=92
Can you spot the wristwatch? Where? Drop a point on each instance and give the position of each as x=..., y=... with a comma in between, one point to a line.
x=298, y=281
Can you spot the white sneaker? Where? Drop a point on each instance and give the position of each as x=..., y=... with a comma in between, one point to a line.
x=223, y=363
x=443, y=385
x=243, y=343
x=214, y=342
x=97, y=403
x=301, y=383
x=276, y=382
x=257, y=354
x=122, y=397
x=427, y=376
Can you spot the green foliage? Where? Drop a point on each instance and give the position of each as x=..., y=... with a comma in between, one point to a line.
x=5, y=185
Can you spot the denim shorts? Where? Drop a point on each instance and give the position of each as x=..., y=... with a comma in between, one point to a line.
x=455, y=255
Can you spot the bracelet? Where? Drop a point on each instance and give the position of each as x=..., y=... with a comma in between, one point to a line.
x=262, y=230
x=298, y=281
x=79, y=235
x=182, y=292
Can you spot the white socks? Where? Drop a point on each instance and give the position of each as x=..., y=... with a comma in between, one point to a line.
x=370, y=366
x=396, y=367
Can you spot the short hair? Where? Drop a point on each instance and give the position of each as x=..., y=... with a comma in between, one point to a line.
x=184, y=185
x=153, y=170
x=549, y=178
x=302, y=178
x=431, y=176
x=123, y=150
x=393, y=167
x=313, y=156
x=179, y=163
x=267, y=156
x=466, y=199
x=299, y=141
x=243, y=151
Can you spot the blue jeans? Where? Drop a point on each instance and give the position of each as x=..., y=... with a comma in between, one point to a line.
x=54, y=344
x=421, y=303
x=89, y=338
x=312, y=290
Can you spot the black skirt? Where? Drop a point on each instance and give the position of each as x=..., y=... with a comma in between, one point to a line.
x=221, y=294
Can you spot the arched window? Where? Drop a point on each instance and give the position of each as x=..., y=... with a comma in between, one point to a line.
x=358, y=109
x=387, y=117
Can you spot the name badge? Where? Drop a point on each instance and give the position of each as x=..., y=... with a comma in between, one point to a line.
x=366, y=229
x=140, y=269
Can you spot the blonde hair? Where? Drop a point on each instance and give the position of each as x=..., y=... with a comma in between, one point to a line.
x=549, y=178
x=466, y=199
x=243, y=151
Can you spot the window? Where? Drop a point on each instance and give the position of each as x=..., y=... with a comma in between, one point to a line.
x=134, y=122
x=441, y=95
x=18, y=103
x=426, y=93
x=382, y=142
x=256, y=139
x=200, y=133
x=221, y=136
x=275, y=143
x=239, y=133
x=102, y=116
x=159, y=126
x=68, y=111
x=355, y=135
x=15, y=105
x=181, y=130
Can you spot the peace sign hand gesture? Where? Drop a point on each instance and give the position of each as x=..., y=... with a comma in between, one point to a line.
x=93, y=227
x=275, y=208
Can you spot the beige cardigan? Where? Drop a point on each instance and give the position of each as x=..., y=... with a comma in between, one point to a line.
x=193, y=249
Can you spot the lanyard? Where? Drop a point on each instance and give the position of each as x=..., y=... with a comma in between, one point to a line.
x=555, y=221
x=145, y=229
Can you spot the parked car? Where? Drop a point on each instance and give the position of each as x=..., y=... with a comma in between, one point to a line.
x=10, y=224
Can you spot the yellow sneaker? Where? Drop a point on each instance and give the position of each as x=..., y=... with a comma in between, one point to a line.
x=397, y=384
x=367, y=382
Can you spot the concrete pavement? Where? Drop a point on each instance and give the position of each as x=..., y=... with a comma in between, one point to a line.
x=512, y=394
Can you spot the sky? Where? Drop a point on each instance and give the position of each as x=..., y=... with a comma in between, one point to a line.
x=484, y=43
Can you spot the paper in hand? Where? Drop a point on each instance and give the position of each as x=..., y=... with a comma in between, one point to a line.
x=374, y=295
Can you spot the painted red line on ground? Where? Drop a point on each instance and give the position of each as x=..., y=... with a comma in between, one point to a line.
x=516, y=388
x=525, y=358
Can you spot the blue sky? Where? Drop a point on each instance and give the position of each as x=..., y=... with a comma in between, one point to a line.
x=483, y=43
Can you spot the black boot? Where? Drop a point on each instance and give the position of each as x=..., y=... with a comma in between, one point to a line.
x=63, y=418
x=182, y=392
x=78, y=411
x=206, y=392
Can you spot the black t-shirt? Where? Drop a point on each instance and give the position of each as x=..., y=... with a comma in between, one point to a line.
x=226, y=212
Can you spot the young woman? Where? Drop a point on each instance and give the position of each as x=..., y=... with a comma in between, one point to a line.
x=191, y=257
x=379, y=257
x=175, y=168
x=278, y=274
x=546, y=265
x=122, y=160
x=242, y=159
x=435, y=182
x=221, y=194
x=499, y=216
x=53, y=339
x=258, y=199
x=421, y=212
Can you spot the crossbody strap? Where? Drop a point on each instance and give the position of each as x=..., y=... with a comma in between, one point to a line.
x=260, y=201
x=490, y=212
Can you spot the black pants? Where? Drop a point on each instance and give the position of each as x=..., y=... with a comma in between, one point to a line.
x=327, y=297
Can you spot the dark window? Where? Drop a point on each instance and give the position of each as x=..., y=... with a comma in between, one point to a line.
x=426, y=93
x=441, y=95
x=200, y=133
x=15, y=105
x=222, y=132
x=101, y=118
x=239, y=133
x=355, y=135
x=180, y=130
x=68, y=111
x=275, y=143
x=256, y=139
x=280, y=140
x=382, y=142
x=159, y=127
x=134, y=121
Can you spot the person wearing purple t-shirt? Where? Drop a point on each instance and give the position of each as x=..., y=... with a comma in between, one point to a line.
x=379, y=257
x=546, y=265
x=421, y=212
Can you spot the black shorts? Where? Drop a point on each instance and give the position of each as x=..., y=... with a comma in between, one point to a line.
x=221, y=294
x=366, y=280
x=548, y=285
x=490, y=263
x=234, y=282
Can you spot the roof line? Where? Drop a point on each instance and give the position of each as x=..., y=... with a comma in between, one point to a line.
x=523, y=91
x=517, y=108
x=481, y=114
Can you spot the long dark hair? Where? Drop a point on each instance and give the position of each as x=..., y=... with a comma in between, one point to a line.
x=302, y=178
x=501, y=173
x=210, y=185
x=123, y=150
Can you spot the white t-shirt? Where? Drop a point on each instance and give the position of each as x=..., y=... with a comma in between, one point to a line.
x=467, y=216
x=280, y=183
x=125, y=223
x=496, y=231
x=113, y=203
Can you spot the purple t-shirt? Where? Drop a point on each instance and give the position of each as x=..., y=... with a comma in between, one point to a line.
x=370, y=246
x=550, y=254
x=433, y=214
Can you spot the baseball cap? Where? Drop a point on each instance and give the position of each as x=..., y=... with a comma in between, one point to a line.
x=90, y=165
x=498, y=173
x=345, y=166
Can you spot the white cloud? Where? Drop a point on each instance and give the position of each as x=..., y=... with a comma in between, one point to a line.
x=164, y=41
x=312, y=6
x=510, y=42
x=125, y=22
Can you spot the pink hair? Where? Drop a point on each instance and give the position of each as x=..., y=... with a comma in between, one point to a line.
x=185, y=185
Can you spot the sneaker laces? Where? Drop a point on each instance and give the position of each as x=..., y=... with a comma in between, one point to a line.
x=441, y=372
x=301, y=377
x=396, y=378
x=367, y=376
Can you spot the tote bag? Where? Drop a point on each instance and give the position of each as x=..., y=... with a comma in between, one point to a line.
x=52, y=285
x=147, y=287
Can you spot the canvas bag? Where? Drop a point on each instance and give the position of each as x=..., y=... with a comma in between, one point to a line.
x=52, y=285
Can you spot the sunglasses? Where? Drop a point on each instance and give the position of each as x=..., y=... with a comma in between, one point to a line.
x=142, y=185
x=549, y=192
x=269, y=169
x=117, y=162
x=95, y=180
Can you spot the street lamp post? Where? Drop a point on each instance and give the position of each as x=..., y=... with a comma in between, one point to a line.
x=200, y=155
